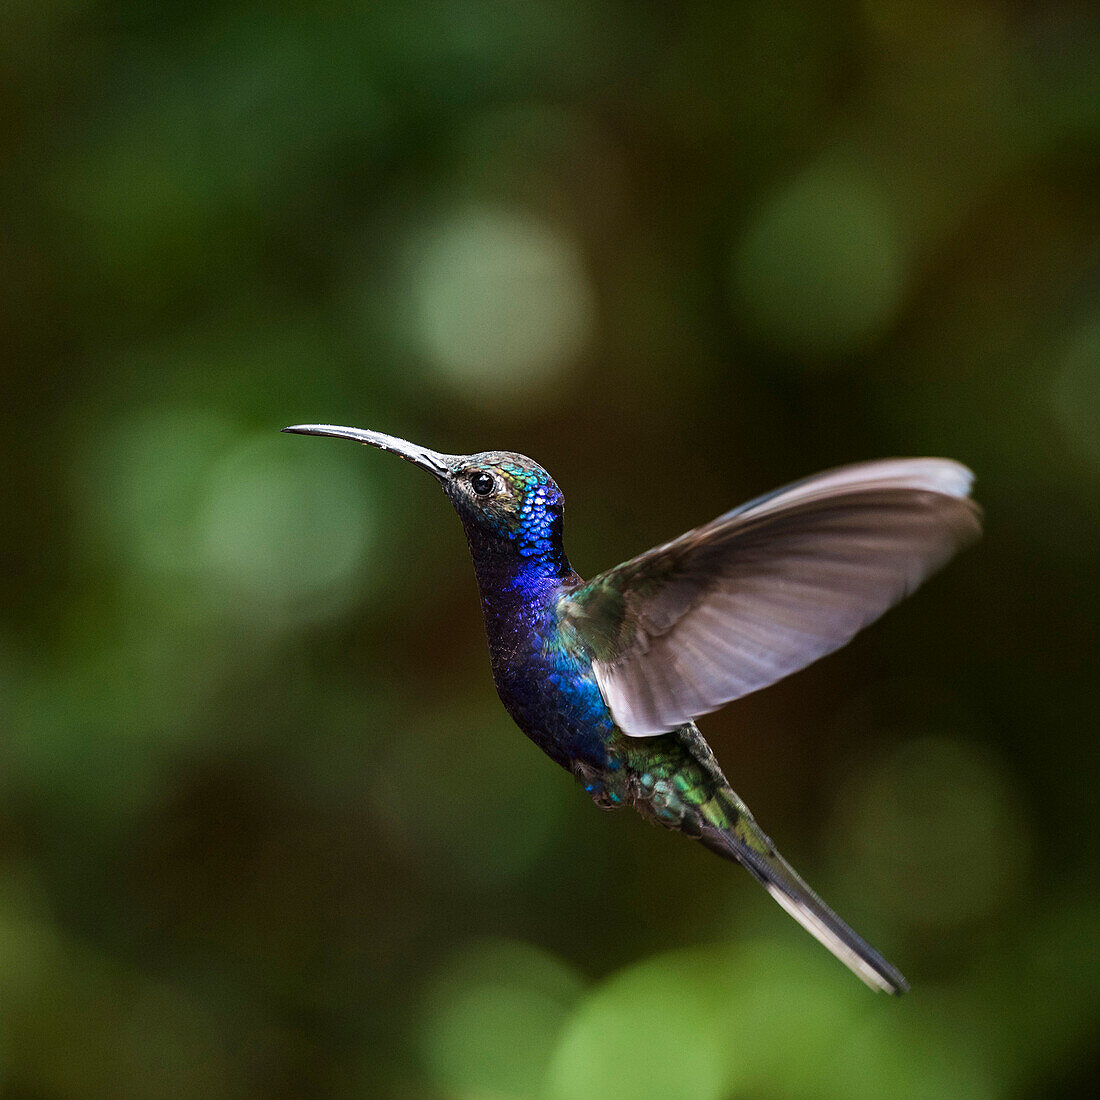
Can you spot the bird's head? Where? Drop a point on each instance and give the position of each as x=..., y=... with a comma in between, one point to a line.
x=508, y=496
x=500, y=496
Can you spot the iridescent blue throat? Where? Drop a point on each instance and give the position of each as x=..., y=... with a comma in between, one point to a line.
x=521, y=569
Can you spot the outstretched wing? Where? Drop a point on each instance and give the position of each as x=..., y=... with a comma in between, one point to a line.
x=768, y=588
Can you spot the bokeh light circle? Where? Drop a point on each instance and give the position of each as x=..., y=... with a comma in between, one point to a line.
x=492, y=1017
x=821, y=268
x=282, y=527
x=501, y=306
x=938, y=826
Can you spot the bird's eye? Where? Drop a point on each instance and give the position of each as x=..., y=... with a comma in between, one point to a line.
x=482, y=483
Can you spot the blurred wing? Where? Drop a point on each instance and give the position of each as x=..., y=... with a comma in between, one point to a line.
x=768, y=588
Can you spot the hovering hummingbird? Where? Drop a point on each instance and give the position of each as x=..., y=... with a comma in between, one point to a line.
x=607, y=676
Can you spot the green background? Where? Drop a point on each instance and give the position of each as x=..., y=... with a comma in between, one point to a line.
x=265, y=829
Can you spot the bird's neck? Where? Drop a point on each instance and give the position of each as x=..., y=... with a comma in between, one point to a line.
x=517, y=588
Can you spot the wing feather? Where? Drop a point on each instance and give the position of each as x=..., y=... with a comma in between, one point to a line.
x=767, y=588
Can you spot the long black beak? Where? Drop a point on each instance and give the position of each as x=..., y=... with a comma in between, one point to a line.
x=440, y=465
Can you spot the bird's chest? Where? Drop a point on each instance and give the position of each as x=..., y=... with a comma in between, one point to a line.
x=552, y=695
x=546, y=685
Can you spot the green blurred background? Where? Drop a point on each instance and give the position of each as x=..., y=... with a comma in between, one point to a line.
x=265, y=830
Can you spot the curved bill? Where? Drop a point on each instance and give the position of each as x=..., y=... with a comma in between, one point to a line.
x=440, y=465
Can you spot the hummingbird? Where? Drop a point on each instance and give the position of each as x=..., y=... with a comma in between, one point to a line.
x=607, y=676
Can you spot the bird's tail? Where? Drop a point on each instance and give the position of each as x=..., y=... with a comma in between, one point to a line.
x=728, y=828
x=680, y=785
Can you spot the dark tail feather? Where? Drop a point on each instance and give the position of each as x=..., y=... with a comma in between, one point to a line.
x=746, y=843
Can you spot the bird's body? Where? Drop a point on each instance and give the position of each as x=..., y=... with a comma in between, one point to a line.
x=546, y=682
x=606, y=677
x=545, y=678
